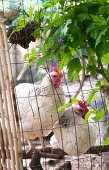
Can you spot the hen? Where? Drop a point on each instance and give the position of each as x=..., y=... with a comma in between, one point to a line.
x=38, y=105
x=71, y=133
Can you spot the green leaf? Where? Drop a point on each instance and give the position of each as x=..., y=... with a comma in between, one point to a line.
x=73, y=51
x=57, y=19
x=99, y=36
x=64, y=61
x=99, y=115
x=102, y=10
x=98, y=84
x=74, y=100
x=36, y=33
x=106, y=58
x=75, y=76
x=99, y=19
x=26, y=56
x=88, y=115
x=48, y=4
x=95, y=97
x=64, y=107
x=84, y=16
x=31, y=9
x=36, y=16
x=42, y=60
x=91, y=27
x=31, y=56
x=65, y=28
x=92, y=94
x=91, y=69
x=21, y=23
x=74, y=67
x=106, y=142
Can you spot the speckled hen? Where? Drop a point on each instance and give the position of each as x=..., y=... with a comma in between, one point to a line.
x=71, y=133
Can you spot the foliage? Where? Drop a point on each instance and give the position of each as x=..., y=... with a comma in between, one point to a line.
x=74, y=25
x=106, y=142
x=71, y=26
x=92, y=95
x=30, y=57
x=32, y=15
x=72, y=101
x=98, y=114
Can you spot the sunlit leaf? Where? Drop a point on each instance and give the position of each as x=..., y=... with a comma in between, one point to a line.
x=64, y=107
x=99, y=19
x=106, y=58
x=36, y=16
x=48, y=4
x=99, y=114
x=74, y=100
x=36, y=33
x=106, y=142
x=30, y=11
x=65, y=28
x=92, y=94
x=30, y=57
x=88, y=115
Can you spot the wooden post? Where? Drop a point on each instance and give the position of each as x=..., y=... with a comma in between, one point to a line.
x=7, y=118
x=15, y=112
x=10, y=107
x=3, y=160
x=5, y=138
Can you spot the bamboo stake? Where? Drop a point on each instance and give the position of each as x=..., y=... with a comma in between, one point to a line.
x=4, y=128
x=13, y=95
x=5, y=102
x=0, y=162
x=2, y=149
x=6, y=51
x=10, y=107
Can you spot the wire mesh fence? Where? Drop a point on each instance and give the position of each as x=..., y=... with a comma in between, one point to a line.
x=33, y=132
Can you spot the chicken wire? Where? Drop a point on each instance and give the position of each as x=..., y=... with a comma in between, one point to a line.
x=85, y=161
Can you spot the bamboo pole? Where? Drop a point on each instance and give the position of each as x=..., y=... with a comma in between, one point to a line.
x=13, y=96
x=1, y=162
x=10, y=106
x=2, y=149
x=5, y=101
x=4, y=128
x=6, y=51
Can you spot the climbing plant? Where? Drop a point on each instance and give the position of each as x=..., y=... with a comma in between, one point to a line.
x=71, y=26
x=74, y=25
